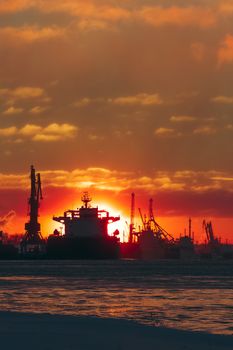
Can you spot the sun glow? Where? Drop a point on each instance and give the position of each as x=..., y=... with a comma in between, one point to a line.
x=122, y=225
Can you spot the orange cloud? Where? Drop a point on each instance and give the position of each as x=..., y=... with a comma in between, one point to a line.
x=13, y=110
x=179, y=16
x=56, y=132
x=139, y=99
x=225, y=7
x=6, y=132
x=23, y=92
x=223, y=99
x=87, y=9
x=225, y=52
x=182, y=118
x=166, y=132
x=30, y=34
x=97, y=14
x=10, y=6
x=52, y=132
x=120, y=181
x=205, y=130
x=37, y=110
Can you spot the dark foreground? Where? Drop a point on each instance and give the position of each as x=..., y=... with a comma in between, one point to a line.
x=53, y=332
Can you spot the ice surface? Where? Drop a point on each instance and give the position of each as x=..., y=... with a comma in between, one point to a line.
x=58, y=332
x=195, y=296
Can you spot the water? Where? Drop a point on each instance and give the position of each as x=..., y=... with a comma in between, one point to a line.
x=194, y=296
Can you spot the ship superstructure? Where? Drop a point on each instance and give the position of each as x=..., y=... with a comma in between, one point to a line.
x=87, y=221
x=85, y=234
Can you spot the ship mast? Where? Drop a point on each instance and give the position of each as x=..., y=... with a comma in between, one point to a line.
x=86, y=199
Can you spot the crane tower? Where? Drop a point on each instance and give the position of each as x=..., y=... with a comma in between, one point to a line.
x=33, y=239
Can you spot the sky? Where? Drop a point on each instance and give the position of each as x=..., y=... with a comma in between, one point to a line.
x=118, y=96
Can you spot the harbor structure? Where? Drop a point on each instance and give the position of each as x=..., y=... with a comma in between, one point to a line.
x=85, y=235
x=33, y=242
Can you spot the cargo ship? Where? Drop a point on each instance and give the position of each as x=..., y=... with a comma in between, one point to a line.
x=85, y=234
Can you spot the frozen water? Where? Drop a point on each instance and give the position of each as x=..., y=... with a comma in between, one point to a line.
x=193, y=296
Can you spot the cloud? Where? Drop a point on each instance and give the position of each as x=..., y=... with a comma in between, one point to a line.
x=23, y=92
x=103, y=178
x=37, y=110
x=183, y=192
x=166, y=132
x=182, y=118
x=94, y=137
x=93, y=14
x=51, y=133
x=205, y=130
x=29, y=130
x=179, y=16
x=13, y=110
x=10, y=6
x=99, y=10
x=86, y=25
x=223, y=99
x=225, y=52
x=30, y=34
x=6, y=132
x=222, y=178
x=56, y=132
x=142, y=99
x=225, y=6
x=87, y=101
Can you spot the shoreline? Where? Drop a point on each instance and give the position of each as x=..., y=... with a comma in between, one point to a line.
x=62, y=332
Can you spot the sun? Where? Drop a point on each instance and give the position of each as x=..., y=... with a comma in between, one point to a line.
x=122, y=225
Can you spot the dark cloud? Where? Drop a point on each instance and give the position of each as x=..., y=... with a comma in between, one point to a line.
x=210, y=203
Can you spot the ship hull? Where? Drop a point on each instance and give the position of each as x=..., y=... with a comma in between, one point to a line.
x=82, y=248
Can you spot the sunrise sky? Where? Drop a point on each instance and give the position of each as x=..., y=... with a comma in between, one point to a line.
x=118, y=96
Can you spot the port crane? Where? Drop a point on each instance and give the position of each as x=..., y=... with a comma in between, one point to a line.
x=211, y=239
x=132, y=216
x=33, y=239
x=151, y=224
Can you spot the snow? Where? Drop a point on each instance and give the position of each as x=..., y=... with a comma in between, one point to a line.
x=58, y=332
